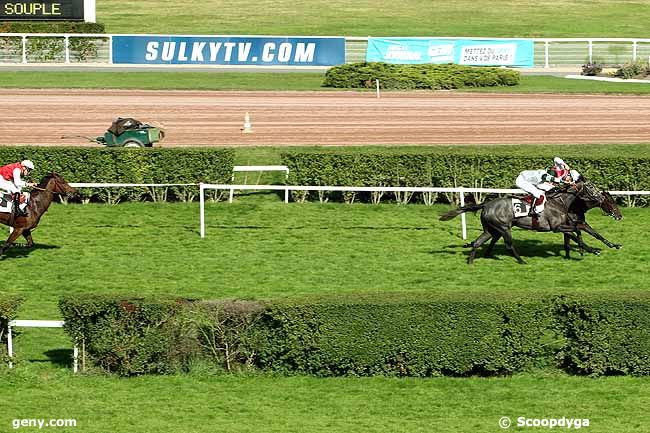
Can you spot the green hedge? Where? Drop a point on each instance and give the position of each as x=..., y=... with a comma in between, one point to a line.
x=410, y=77
x=120, y=165
x=605, y=336
x=9, y=305
x=395, y=335
x=50, y=27
x=439, y=169
x=405, y=337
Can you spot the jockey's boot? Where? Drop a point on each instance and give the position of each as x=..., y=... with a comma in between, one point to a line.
x=531, y=211
x=17, y=210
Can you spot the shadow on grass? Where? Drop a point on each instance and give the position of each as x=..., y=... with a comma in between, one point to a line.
x=526, y=248
x=58, y=357
x=21, y=250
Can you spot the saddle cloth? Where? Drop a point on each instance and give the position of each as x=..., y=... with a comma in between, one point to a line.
x=6, y=202
x=521, y=206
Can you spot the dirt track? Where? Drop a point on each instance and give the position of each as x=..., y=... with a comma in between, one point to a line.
x=41, y=117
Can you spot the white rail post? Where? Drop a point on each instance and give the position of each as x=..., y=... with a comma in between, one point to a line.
x=67, y=48
x=634, y=50
x=286, y=187
x=463, y=220
x=75, y=358
x=591, y=50
x=202, y=209
x=377, y=83
x=232, y=189
x=10, y=346
x=24, y=48
x=546, y=65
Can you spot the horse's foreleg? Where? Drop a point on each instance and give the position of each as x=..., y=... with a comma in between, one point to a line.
x=589, y=229
x=569, y=231
x=567, y=246
x=476, y=244
x=11, y=239
x=27, y=234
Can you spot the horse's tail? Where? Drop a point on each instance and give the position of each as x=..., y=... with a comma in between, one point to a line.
x=454, y=213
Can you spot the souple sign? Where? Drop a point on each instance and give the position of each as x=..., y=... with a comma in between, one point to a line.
x=41, y=10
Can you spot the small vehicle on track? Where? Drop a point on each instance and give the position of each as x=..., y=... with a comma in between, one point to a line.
x=128, y=132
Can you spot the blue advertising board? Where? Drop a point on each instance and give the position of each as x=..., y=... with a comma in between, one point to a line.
x=474, y=52
x=240, y=50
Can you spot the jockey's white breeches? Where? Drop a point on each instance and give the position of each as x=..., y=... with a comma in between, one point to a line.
x=530, y=188
x=8, y=185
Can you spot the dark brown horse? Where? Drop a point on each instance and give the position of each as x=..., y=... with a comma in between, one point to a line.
x=41, y=198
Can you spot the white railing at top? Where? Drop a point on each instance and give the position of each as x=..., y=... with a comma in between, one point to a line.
x=549, y=52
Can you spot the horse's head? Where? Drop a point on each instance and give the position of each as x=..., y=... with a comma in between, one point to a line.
x=609, y=207
x=56, y=184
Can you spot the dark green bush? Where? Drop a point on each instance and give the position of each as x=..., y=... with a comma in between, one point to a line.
x=404, y=337
x=395, y=335
x=9, y=304
x=51, y=27
x=605, y=336
x=591, y=69
x=151, y=165
x=410, y=77
x=637, y=69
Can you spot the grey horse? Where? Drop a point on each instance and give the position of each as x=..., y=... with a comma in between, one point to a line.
x=498, y=218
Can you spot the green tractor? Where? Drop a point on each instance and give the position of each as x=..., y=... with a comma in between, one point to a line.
x=128, y=132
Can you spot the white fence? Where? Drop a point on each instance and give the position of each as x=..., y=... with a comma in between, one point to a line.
x=37, y=324
x=27, y=48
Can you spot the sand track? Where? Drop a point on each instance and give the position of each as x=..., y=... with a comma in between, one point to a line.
x=198, y=118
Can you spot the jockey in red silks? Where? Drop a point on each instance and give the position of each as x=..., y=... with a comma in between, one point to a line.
x=11, y=181
x=536, y=182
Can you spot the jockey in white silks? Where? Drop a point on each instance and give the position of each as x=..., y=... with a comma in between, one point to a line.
x=11, y=181
x=537, y=182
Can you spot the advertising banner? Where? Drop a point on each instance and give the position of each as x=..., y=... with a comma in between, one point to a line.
x=28, y=10
x=474, y=52
x=226, y=50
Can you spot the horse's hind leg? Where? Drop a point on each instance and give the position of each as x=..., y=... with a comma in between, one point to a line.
x=476, y=244
x=507, y=238
x=495, y=237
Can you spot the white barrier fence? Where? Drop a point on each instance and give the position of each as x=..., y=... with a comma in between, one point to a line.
x=37, y=324
x=65, y=49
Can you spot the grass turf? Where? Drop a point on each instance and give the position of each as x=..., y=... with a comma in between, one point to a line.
x=511, y=18
x=297, y=81
x=262, y=248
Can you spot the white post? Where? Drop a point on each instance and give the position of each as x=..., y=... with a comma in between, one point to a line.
x=546, y=54
x=75, y=359
x=286, y=189
x=90, y=15
x=377, y=83
x=110, y=49
x=202, y=209
x=10, y=346
x=463, y=221
x=67, y=48
x=591, y=49
x=232, y=190
x=634, y=50
x=24, y=48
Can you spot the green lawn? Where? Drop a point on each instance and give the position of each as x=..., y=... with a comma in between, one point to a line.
x=298, y=81
x=263, y=248
x=201, y=402
x=559, y=18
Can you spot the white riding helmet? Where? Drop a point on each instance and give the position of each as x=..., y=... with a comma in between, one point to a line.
x=575, y=175
x=27, y=163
